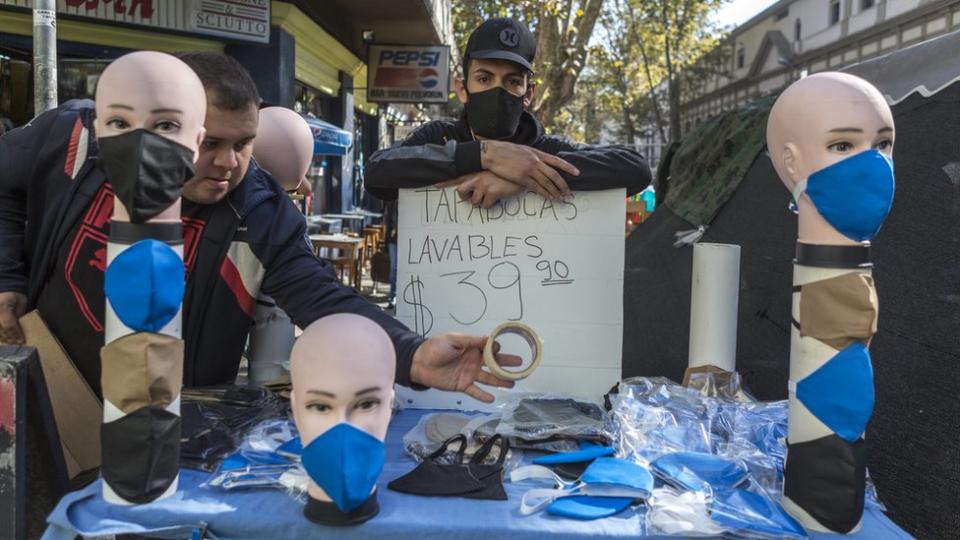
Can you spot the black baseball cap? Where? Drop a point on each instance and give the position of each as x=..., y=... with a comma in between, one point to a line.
x=501, y=39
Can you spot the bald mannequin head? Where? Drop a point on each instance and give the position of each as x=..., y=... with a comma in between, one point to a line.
x=821, y=120
x=153, y=91
x=284, y=146
x=342, y=368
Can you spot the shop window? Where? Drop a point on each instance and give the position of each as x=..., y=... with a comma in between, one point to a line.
x=867, y=4
x=311, y=101
x=741, y=56
x=834, y=12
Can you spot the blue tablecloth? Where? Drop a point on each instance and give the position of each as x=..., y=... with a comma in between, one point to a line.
x=273, y=514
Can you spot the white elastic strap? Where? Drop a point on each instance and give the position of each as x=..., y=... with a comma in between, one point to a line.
x=535, y=500
x=798, y=191
x=529, y=472
x=543, y=498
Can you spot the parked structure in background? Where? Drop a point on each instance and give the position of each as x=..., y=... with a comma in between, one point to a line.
x=793, y=38
x=306, y=55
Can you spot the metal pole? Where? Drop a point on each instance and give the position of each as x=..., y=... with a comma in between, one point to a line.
x=44, y=55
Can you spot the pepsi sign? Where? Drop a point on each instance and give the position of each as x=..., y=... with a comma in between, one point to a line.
x=408, y=74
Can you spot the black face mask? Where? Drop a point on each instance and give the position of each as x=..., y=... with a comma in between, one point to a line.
x=827, y=478
x=473, y=480
x=140, y=453
x=494, y=113
x=147, y=171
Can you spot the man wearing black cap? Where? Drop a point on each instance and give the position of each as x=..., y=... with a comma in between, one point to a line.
x=497, y=149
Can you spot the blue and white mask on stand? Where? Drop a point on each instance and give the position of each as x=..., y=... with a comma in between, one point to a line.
x=853, y=195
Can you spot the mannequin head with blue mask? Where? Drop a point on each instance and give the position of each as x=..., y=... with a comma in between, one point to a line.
x=342, y=369
x=830, y=137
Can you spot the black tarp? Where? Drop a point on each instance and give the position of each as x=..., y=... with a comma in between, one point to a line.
x=914, y=436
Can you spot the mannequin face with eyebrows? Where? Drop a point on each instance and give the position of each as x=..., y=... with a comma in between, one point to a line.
x=342, y=368
x=152, y=91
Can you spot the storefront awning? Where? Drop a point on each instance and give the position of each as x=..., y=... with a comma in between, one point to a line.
x=328, y=139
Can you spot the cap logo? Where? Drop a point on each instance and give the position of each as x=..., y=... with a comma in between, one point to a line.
x=509, y=37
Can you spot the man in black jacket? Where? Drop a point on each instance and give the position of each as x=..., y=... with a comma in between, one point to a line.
x=498, y=149
x=242, y=236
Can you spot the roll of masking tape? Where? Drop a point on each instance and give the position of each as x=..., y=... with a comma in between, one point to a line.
x=532, y=339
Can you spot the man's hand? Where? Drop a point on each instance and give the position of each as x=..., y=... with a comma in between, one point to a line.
x=12, y=306
x=453, y=361
x=486, y=189
x=531, y=168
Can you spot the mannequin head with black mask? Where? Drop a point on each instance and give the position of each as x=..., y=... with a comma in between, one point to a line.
x=497, y=78
x=153, y=104
x=342, y=368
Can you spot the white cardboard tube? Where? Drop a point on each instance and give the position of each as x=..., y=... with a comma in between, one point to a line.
x=714, y=299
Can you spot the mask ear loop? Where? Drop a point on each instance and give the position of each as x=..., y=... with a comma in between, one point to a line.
x=484, y=451
x=461, y=438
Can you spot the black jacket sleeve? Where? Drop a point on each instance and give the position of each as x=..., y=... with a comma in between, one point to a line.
x=307, y=288
x=18, y=153
x=601, y=167
x=428, y=156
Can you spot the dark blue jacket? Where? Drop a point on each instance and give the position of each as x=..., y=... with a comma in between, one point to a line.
x=254, y=240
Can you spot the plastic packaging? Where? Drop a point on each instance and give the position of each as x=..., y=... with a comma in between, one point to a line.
x=268, y=457
x=215, y=419
x=675, y=513
x=537, y=418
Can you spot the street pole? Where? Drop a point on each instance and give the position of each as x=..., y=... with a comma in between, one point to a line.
x=44, y=55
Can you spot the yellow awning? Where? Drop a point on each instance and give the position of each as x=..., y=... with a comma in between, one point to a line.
x=109, y=35
x=319, y=56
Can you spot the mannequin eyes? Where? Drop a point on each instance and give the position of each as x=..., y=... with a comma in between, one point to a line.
x=166, y=126
x=884, y=145
x=841, y=147
x=118, y=124
x=367, y=404
x=318, y=407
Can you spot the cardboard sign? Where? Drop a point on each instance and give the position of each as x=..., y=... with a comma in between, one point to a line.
x=555, y=266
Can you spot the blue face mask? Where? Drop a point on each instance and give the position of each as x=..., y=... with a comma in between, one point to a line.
x=696, y=471
x=853, y=195
x=345, y=462
x=840, y=392
x=608, y=486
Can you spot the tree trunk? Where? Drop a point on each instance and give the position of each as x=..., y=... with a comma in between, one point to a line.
x=673, y=91
x=563, y=57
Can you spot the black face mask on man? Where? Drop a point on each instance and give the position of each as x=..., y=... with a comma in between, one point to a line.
x=494, y=113
x=147, y=171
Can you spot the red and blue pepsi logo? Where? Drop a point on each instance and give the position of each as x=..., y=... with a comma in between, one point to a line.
x=429, y=78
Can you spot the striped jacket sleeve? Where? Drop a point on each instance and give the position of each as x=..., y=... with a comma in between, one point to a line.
x=428, y=156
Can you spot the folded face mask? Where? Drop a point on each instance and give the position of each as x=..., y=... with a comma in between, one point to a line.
x=570, y=465
x=472, y=480
x=608, y=486
x=695, y=471
x=754, y=515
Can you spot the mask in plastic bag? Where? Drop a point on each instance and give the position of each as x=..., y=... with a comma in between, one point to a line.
x=472, y=480
x=753, y=514
x=608, y=486
x=695, y=471
x=680, y=514
x=542, y=418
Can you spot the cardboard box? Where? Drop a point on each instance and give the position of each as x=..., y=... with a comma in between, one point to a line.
x=77, y=411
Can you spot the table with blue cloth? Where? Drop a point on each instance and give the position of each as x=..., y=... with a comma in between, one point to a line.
x=196, y=512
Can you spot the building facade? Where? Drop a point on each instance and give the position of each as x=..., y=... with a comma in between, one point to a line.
x=793, y=38
x=306, y=55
